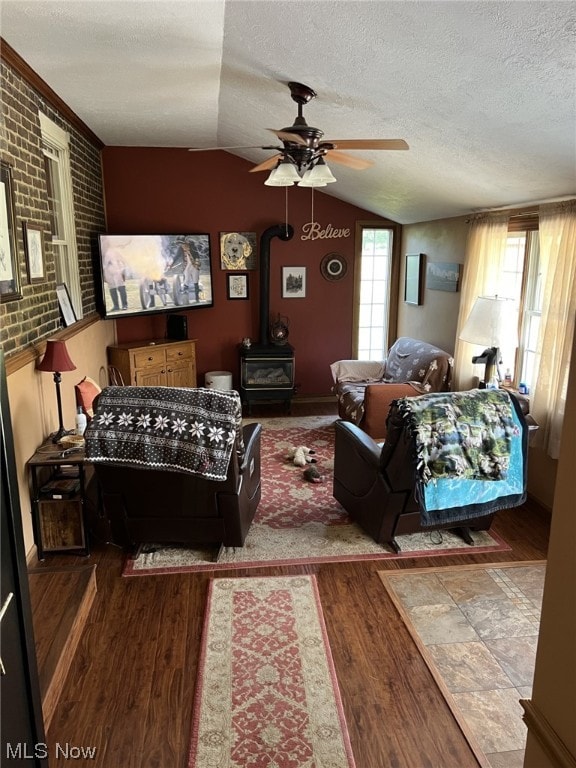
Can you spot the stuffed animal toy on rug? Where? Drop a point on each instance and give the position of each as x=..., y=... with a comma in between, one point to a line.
x=300, y=456
x=312, y=475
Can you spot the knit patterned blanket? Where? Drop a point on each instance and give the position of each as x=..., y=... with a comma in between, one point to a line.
x=460, y=434
x=163, y=428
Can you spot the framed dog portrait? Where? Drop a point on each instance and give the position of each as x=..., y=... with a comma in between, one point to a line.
x=238, y=250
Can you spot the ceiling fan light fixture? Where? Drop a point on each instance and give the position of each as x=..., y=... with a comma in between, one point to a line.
x=283, y=175
x=301, y=158
x=309, y=181
x=272, y=181
x=322, y=173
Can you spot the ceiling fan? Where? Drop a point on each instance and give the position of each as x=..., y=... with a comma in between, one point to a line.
x=303, y=149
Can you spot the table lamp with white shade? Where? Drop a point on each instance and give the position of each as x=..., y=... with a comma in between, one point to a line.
x=493, y=323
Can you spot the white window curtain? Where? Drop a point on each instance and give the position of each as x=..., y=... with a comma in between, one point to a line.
x=485, y=252
x=557, y=234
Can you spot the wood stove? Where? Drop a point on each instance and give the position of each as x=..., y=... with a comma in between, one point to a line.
x=267, y=369
x=266, y=373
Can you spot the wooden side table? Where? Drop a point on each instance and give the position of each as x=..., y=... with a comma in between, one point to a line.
x=58, y=495
x=524, y=401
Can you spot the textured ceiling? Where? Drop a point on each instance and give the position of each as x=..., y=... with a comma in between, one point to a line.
x=483, y=92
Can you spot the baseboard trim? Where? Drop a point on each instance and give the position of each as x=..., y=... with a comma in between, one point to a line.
x=32, y=557
x=546, y=736
x=314, y=399
x=535, y=501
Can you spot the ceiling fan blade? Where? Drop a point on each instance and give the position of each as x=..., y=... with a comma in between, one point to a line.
x=368, y=143
x=352, y=162
x=211, y=149
x=266, y=165
x=286, y=136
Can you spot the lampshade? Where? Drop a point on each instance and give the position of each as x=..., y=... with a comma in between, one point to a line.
x=56, y=358
x=272, y=181
x=308, y=180
x=493, y=322
x=284, y=175
x=321, y=173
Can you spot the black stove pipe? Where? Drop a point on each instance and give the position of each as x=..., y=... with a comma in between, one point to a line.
x=284, y=232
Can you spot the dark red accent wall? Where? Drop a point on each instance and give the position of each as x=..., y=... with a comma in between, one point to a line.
x=150, y=190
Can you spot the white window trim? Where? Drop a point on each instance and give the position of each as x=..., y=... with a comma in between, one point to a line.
x=59, y=139
x=528, y=309
x=360, y=228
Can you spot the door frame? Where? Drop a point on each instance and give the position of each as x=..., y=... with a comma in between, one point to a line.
x=394, y=278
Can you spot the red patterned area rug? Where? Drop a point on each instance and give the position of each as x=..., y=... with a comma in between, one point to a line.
x=299, y=522
x=267, y=694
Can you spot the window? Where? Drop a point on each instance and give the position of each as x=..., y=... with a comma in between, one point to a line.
x=55, y=148
x=374, y=278
x=540, y=271
x=531, y=311
x=521, y=280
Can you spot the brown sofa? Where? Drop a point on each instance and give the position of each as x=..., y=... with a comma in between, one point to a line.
x=365, y=389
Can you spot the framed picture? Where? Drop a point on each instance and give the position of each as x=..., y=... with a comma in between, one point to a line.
x=237, y=286
x=9, y=269
x=66, y=308
x=34, y=254
x=414, y=278
x=293, y=282
x=238, y=250
x=443, y=276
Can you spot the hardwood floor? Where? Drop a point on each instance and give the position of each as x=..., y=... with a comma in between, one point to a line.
x=129, y=692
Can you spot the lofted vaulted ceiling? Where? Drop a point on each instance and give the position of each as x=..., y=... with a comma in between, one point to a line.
x=484, y=92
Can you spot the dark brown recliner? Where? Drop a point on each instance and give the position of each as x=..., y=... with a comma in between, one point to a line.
x=376, y=482
x=365, y=388
x=145, y=506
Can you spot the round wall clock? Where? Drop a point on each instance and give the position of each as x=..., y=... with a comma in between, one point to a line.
x=333, y=266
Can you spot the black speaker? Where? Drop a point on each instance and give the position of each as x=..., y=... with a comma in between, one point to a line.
x=177, y=327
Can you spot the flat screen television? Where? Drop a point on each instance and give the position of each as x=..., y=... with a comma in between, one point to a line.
x=146, y=274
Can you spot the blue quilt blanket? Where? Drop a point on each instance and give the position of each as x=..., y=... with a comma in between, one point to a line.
x=470, y=450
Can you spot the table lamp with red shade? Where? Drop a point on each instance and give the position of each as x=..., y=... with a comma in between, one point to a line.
x=56, y=359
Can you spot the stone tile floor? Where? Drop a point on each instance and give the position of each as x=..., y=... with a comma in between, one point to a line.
x=477, y=628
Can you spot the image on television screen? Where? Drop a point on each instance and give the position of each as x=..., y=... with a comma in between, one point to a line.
x=142, y=274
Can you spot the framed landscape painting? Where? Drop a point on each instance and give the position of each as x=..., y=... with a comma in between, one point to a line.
x=443, y=276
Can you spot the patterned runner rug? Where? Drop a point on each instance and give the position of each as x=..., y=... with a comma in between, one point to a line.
x=299, y=522
x=267, y=693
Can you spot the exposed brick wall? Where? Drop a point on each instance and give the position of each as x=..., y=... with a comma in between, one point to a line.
x=36, y=315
